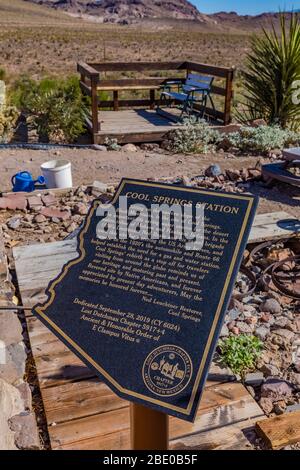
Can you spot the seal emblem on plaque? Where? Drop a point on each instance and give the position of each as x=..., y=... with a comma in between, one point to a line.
x=167, y=370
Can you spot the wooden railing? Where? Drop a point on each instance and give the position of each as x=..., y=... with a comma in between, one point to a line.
x=93, y=80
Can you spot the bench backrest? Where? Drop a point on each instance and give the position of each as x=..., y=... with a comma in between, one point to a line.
x=198, y=81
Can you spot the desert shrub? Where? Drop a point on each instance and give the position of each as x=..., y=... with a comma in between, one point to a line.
x=55, y=108
x=272, y=69
x=240, y=353
x=262, y=139
x=193, y=137
x=8, y=116
x=8, y=119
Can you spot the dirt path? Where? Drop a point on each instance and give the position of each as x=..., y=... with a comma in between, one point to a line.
x=110, y=167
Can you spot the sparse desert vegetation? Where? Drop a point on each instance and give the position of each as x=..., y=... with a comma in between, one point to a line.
x=63, y=40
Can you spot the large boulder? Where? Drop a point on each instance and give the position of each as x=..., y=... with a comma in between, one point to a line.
x=11, y=404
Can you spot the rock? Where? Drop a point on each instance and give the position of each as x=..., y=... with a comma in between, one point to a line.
x=129, y=148
x=34, y=201
x=55, y=213
x=233, y=175
x=80, y=209
x=187, y=181
x=286, y=334
x=14, y=223
x=49, y=200
x=292, y=408
x=224, y=332
x=213, y=170
x=14, y=368
x=255, y=174
x=101, y=148
x=10, y=405
x=266, y=405
x=25, y=393
x=72, y=227
x=233, y=314
x=99, y=188
x=10, y=328
x=26, y=432
x=235, y=330
x=270, y=370
x=262, y=332
x=275, y=389
x=13, y=202
x=243, y=327
x=150, y=147
x=254, y=379
x=235, y=304
x=251, y=320
x=266, y=317
x=295, y=378
x=39, y=219
x=271, y=306
x=279, y=407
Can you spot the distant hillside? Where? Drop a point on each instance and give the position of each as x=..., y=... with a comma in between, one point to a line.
x=231, y=20
x=126, y=11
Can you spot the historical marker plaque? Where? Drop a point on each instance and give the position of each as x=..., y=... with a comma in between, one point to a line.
x=146, y=314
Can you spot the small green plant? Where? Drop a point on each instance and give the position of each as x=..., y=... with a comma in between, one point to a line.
x=272, y=70
x=55, y=108
x=193, y=137
x=262, y=139
x=240, y=353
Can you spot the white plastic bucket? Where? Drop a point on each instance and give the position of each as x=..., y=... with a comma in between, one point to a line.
x=57, y=174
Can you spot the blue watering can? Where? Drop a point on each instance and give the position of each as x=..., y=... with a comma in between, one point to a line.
x=23, y=181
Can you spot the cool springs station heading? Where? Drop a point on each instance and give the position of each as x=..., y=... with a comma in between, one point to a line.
x=158, y=199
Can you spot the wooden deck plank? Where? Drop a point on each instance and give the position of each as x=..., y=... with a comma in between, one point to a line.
x=220, y=406
x=280, y=431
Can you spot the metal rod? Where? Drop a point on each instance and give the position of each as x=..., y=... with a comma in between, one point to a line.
x=16, y=307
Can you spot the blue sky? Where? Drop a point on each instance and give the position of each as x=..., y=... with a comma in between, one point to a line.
x=243, y=7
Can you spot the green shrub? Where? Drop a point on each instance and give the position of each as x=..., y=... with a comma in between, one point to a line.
x=262, y=139
x=8, y=119
x=55, y=108
x=8, y=116
x=193, y=137
x=240, y=353
x=272, y=68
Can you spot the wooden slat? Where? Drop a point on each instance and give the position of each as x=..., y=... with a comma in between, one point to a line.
x=266, y=227
x=136, y=66
x=220, y=406
x=80, y=399
x=280, y=431
x=208, y=69
x=231, y=437
x=87, y=70
x=85, y=89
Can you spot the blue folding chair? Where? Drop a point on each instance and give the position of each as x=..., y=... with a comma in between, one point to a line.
x=192, y=95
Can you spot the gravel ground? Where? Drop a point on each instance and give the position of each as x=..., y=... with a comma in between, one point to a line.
x=110, y=167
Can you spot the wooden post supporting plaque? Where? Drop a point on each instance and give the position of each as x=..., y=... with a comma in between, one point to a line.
x=149, y=429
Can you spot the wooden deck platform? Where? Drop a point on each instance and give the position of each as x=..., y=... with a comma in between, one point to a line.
x=135, y=125
x=83, y=413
